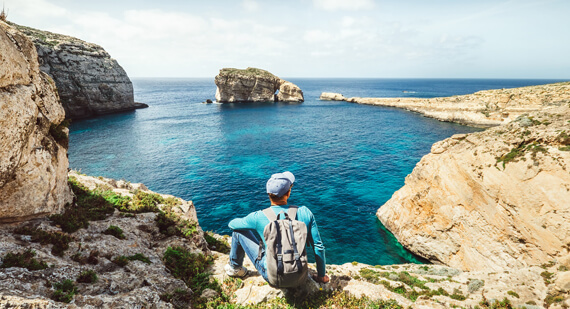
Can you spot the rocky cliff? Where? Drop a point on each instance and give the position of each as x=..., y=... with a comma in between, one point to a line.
x=495, y=199
x=140, y=254
x=33, y=140
x=254, y=85
x=483, y=109
x=88, y=80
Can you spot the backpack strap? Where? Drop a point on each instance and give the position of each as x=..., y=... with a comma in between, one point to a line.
x=292, y=212
x=270, y=214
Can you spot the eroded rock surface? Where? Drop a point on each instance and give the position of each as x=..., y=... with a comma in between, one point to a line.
x=484, y=108
x=89, y=81
x=496, y=199
x=254, y=85
x=33, y=148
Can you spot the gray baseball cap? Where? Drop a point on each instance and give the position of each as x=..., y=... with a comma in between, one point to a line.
x=280, y=183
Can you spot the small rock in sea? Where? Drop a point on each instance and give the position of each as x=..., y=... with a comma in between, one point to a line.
x=209, y=101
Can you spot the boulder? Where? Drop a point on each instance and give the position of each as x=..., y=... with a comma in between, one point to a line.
x=33, y=140
x=495, y=199
x=331, y=96
x=254, y=85
x=88, y=80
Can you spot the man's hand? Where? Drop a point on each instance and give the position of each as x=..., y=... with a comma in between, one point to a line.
x=324, y=279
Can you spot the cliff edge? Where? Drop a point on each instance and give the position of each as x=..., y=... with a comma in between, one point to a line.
x=33, y=139
x=88, y=80
x=254, y=85
x=495, y=199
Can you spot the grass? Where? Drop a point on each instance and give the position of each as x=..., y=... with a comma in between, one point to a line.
x=170, y=224
x=547, y=276
x=215, y=244
x=124, y=260
x=64, y=291
x=498, y=304
x=24, y=260
x=115, y=231
x=553, y=298
x=59, y=240
x=88, y=276
x=519, y=151
x=92, y=258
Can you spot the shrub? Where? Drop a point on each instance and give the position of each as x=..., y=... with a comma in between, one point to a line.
x=170, y=224
x=92, y=259
x=215, y=244
x=115, y=231
x=59, y=240
x=189, y=267
x=88, y=276
x=121, y=260
x=24, y=260
x=139, y=257
x=513, y=294
x=64, y=291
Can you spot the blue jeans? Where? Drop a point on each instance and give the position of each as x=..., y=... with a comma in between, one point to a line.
x=247, y=242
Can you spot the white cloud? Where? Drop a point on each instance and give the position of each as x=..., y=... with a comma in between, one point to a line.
x=351, y=5
x=250, y=5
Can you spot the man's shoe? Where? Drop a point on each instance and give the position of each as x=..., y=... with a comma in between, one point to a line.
x=235, y=272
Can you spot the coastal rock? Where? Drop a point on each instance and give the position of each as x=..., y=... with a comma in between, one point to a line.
x=88, y=80
x=254, y=85
x=490, y=200
x=33, y=143
x=482, y=109
x=331, y=96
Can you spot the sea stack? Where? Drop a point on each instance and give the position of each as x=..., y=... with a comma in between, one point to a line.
x=33, y=139
x=88, y=80
x=254, y=85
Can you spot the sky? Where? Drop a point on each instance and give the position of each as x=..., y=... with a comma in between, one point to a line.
x=318, y=38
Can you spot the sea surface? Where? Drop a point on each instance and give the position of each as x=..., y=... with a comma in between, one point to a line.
x=348, y=159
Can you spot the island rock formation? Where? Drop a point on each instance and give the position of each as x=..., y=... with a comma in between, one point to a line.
x=490, y=200
x=33, y=140
x=254, y=85
x=88, y=80
x=482, y=109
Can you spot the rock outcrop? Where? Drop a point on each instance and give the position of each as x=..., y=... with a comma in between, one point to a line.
x=254, y=85
x=88, y=80
x=495, y=199
x=152, y=283
x=331, y=96
x=483, y=109
x=33, y=140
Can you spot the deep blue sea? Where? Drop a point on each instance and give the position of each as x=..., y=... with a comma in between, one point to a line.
x=348, y=159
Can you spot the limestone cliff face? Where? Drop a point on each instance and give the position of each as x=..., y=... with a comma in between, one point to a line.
x=483, y=109
x=89, y=81
x=254, y=85
x=490, y=200
x=33, y=148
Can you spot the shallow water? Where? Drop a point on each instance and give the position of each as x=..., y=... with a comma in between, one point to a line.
x=348, y=159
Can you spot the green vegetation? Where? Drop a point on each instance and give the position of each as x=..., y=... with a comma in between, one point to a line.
x=64, y=291
x=88, y=276
x=170, y=224
x=520, y=151
x=180, y=298
x=547, y=276
x=553, y=298
x=89, y=206
x=248, y=72
x=503, y=304
x=562, y=268
x=59, y=133
x=59, y=240
x=513, y=294
x=215, y=244
x=565, y=148
x=115, y=231
x=92, y=258
x=24, y=260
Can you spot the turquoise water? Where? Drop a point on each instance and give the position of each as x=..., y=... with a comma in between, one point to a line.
x=348, y=158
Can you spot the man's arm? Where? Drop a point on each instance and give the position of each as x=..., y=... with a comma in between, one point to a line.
x=319, y=249
x=248, y=222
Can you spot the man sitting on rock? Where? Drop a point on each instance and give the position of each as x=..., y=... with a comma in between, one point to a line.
x=248, y=231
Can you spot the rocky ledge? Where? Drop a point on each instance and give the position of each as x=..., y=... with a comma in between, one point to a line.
x=88, y=80
x=495, y=199
x=254, y=85
x=143, y=249
x=483, y=109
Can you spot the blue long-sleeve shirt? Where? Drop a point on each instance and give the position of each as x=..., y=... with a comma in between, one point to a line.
x=257, y=221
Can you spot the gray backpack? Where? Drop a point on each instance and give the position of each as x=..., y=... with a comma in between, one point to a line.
x=286, y=255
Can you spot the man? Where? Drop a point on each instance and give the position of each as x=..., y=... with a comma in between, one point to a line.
x=248, y=231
